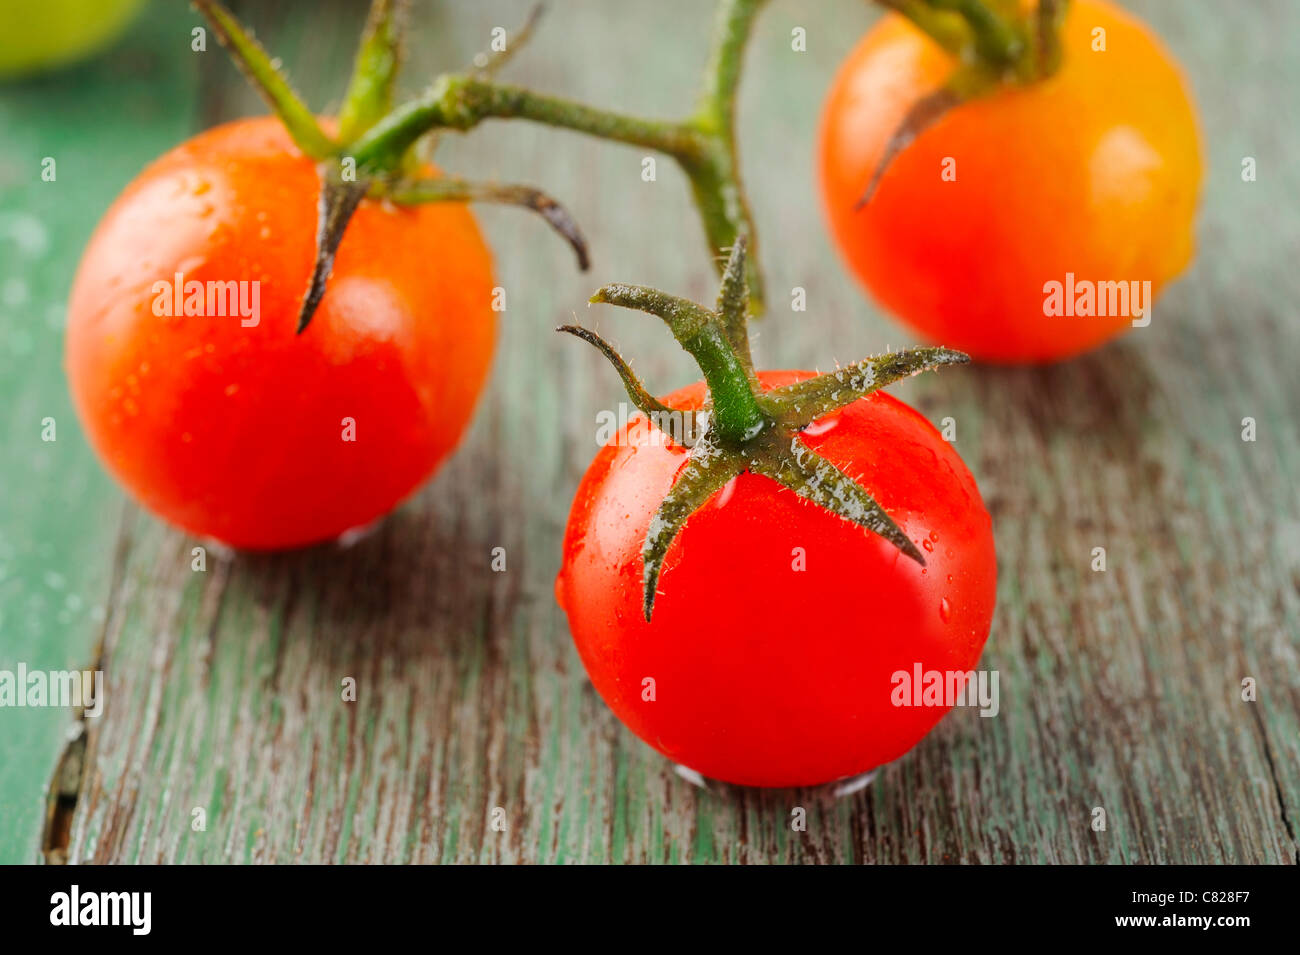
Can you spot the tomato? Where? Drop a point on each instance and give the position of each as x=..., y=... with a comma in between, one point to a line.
x=1094, y=171
x=779, y=626
x=36, y=36
x=234, y=427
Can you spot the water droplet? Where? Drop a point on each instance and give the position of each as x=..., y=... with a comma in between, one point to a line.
x=927, y=544
x=728, y=490
x=945, y=609
x=822, y=425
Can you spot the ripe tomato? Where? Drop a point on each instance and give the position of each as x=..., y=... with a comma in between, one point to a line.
x=248, y=433
x=764, y=673
x=39, y=36
x=1094, y=171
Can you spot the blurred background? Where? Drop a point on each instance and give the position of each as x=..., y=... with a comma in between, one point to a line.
x=1119, y=689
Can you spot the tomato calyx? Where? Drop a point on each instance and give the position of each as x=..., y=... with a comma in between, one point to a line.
x=995, y=44
x=743, y=428
x=348, y=168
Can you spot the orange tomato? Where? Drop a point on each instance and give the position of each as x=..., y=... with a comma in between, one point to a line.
x=1089, y=176
x=231, y=425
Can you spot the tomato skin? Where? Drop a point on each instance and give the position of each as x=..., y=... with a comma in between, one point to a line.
x=766, y=675
x=1094, y=171
x=237, y=433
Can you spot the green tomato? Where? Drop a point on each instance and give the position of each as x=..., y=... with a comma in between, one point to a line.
x=37, y=35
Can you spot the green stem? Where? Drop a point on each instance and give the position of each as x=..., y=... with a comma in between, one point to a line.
x=943, y=27
x=996, y=41
x=736, y=416
x=736, y=411
x=1047, y=36
x=379, y=140
x=704, y=145
x=715, y=175
x=266, y=78
x=370, y=92
x=462, y=102
x=732, y=26
x=407, y=192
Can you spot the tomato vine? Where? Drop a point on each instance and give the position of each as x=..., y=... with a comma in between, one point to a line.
x=373, y=153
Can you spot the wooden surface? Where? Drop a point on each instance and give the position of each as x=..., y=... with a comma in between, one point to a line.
x=1118, y=689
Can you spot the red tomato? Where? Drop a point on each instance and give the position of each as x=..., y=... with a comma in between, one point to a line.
x=241, y=430
x=1094, y=171
x=765, y=674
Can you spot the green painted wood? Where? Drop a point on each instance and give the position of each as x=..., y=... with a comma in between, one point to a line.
x=100, y=122
x=1119, y=690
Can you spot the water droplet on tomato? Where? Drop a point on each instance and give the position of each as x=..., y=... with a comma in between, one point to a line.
x=822, y=425
x=927, y=545
x=725, y=495
x=945, y=609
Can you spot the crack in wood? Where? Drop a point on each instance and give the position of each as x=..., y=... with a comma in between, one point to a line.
x=1277, y=783
x=73, y=764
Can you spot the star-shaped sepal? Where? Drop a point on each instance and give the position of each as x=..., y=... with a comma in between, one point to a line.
x=743, y=428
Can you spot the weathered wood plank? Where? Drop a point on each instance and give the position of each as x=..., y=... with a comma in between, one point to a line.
x=1119, y=690
x=58, y=511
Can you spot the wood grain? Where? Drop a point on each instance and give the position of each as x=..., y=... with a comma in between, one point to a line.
x=1119, y=689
